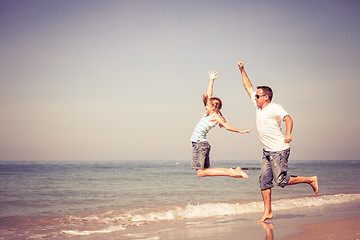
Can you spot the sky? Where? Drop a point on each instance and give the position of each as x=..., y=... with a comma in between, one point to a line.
x=123, y=80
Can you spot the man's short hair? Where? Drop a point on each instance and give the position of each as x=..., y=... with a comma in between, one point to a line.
x=267, y=91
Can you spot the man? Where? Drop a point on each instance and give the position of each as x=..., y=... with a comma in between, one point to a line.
x=276, y=148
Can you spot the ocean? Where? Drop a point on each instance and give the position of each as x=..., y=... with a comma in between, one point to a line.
x=129, y=199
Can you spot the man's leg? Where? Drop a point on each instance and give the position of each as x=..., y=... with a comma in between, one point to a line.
x=265, y=181
x=279, y=165
x=266, y=195
x=312, y=181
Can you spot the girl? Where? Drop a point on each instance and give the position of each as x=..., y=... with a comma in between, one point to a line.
x=201, y=147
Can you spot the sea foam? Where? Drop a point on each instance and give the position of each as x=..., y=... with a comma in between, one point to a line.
x=204, y=210
x=223, y=209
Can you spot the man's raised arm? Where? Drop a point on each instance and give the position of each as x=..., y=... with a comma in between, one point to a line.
x=246, y=81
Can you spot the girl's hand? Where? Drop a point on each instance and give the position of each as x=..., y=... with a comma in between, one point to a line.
x=212, y=75
x=245, y=131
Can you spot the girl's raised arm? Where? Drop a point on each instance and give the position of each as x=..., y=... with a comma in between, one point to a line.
x=212, y=76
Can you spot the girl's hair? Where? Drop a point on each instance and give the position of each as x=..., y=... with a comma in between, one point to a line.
x=216, y=102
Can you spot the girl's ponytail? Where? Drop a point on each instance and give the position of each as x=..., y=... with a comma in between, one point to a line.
x=205, y=99
x=218, y=105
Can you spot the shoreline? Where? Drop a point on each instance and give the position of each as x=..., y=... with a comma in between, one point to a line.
x=338, y=222
x=332, y=221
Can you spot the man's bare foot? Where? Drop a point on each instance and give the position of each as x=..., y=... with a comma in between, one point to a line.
x=241, y=173
x=265, y=216
x=315, y=184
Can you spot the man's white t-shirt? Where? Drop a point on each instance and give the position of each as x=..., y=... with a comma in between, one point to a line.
x=268, y=123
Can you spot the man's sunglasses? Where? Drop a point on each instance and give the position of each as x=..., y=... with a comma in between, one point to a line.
x=258, y=96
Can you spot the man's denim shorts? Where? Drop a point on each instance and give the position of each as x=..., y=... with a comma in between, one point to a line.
x=200, y=156
x=274, y=165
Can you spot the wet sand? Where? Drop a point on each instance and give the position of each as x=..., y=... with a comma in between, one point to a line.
x=346, y=229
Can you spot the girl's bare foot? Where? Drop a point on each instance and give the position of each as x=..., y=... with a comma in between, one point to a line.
x=315, y=184
x=233, y=173
x=241, y=173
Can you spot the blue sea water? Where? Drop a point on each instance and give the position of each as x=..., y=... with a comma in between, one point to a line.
x=72, y=199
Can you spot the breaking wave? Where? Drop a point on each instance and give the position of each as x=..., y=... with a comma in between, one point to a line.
x=115, y=221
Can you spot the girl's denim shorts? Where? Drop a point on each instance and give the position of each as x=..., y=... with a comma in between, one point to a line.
x=200, y=156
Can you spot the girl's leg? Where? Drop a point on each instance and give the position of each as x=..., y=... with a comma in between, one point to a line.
x=229, y=172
